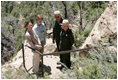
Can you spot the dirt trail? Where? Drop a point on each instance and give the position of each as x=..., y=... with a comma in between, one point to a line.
x=50, y=61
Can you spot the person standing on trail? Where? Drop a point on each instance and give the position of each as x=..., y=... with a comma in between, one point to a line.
x=57, y=29
x=34, y=42
x=40, y=30
x=66, y=42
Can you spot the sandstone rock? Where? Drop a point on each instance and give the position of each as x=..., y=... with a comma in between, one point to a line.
x=105, y=27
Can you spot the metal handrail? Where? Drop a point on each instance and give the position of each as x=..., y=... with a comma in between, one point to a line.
x=61, y=52
x=66, y=52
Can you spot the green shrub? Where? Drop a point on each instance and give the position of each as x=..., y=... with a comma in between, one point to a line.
x=20, y=73
x=74, y=8
x=15, y=12
x=91, y=72
x=8, y=73
x=86, y=32
x=79, y=38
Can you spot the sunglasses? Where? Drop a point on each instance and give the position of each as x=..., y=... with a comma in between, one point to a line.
x=57, y=17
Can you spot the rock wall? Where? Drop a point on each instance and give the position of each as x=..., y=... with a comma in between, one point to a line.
x=104, y=29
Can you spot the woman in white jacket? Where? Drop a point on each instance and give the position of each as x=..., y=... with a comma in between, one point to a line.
x=35, y=43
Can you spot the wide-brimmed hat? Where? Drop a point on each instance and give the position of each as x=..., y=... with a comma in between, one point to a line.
x=65, y=22
x=57, y=13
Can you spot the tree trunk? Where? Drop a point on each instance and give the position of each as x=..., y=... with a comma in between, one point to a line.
x=65, y=9
x=80, y=21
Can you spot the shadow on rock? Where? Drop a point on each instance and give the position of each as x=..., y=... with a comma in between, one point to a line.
x=47, y=69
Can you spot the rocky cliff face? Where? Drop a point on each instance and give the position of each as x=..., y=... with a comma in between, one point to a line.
x=105, y=29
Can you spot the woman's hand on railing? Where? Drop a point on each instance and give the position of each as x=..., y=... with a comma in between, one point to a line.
x=40, y=47
x=25, y=44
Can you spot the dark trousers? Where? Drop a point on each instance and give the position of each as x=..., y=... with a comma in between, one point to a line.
x=57, y=43
x=66, y=59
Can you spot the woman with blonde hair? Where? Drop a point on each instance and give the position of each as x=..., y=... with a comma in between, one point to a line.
x=66, y=42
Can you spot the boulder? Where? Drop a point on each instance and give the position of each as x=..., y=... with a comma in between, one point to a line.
x=105, y=28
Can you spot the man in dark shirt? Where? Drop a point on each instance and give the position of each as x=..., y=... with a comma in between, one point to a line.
x=57, y=29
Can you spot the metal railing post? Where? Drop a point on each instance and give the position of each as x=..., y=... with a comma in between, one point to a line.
x=42, y=66
x=24, y=58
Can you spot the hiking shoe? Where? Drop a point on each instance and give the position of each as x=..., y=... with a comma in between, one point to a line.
x=60, y=67
x=33, y=70
x=58, y=63
x=39, y=73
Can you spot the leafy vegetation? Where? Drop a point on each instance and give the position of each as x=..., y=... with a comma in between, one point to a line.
x=86, y=32
x=88, y=11
x=22, y=74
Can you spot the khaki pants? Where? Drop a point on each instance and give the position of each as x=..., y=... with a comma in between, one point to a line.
x=36, y=62
x=36, y=58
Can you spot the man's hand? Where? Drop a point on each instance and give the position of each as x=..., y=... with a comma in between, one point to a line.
x=44, y=44
x=53, y=41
